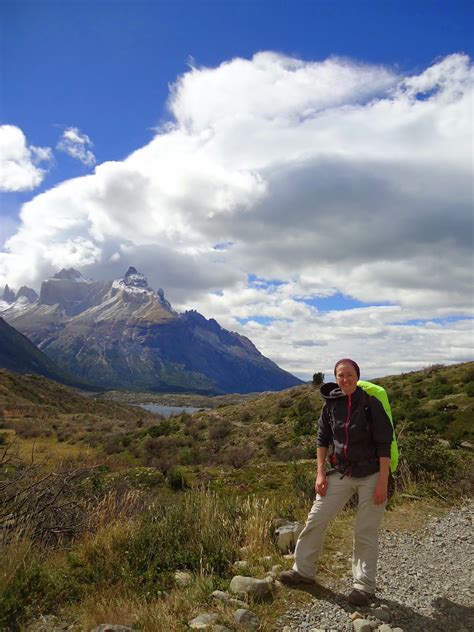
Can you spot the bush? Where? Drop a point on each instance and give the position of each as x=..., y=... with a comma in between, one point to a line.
x=238, y=456
x=425, y=455
x=440, y=389
x=220, y=430
x=318, y=379
x=469, y=389
x=271, y=443
x=29, y=584
x=305, y=424
x=163, y=429
x=176, y=479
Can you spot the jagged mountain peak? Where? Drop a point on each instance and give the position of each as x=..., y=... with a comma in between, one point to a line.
x=70, y=274
x=133, y=281
x=123, y=334
x=136, y=283
x=8, y=294
x=28, y=293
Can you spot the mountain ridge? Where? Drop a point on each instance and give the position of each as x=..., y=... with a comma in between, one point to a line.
x=123, y=334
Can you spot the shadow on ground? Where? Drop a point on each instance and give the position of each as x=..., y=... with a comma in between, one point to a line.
x=448, y=616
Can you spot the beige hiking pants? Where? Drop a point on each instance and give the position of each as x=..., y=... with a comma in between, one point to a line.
x=369, y=516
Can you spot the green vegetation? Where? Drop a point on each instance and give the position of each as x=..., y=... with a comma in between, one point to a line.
x=102, y=502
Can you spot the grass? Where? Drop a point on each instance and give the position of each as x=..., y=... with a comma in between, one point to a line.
x=137, y=525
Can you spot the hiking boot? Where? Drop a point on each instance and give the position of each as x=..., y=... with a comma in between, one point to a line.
x=360, y=597
x=293, y=578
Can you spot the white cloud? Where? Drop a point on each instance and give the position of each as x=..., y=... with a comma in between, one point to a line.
x=328, y=176
x=77, y=145
x=19, y=170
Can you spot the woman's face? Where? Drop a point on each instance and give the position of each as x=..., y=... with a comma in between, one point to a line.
x=346, y=378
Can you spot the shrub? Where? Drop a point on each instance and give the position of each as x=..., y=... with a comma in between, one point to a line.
x=245, y=416
x=468, y=376
x=163, y=429
x=424, y=454
x=305, y=424
x=271, y=443
x=318, y=378
x=29, y=584
x=440, y=389
x=238, y=456
x=220, y=430
x=469, y=389
x=176, y=479
x=279, y=417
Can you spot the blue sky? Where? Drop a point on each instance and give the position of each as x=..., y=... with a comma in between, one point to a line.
x=104, y=70
x=105, y=65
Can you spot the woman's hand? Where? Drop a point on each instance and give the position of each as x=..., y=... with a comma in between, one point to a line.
x=321, y=484
x=380, y=491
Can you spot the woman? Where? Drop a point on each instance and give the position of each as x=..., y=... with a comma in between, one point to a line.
x=361, y=433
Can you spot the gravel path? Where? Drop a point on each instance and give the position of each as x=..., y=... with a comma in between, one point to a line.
x=425, y=584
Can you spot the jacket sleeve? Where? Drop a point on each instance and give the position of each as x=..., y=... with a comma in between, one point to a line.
x=382, y=427
x=324, y=429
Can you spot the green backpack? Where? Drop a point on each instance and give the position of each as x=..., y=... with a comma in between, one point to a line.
x=381, y=394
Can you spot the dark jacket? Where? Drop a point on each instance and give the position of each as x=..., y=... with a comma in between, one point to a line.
x=359, y=439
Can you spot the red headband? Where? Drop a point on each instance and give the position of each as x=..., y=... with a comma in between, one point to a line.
x=348, y=361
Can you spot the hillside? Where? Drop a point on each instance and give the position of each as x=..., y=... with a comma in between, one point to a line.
x=272, y=426
x=130, y=502
x=19, y=354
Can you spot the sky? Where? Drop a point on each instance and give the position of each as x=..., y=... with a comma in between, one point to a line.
x=299, y=171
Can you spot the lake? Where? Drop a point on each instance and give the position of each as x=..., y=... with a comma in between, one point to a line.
x=168, y=411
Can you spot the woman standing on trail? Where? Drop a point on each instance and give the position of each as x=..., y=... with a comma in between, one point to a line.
x=361, y=433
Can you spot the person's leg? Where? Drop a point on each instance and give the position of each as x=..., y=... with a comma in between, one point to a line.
x=367, y=523
x=310, y=541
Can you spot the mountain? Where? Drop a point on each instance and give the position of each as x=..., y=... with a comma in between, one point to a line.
x=123, y=334
x=20, y=355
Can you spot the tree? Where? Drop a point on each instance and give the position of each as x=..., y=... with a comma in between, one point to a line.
x=318, y=378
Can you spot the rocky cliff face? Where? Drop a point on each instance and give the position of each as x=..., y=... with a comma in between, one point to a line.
x=123, y=334
x=20, y=355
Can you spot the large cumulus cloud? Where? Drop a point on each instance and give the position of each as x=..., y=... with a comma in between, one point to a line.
x=329, y=176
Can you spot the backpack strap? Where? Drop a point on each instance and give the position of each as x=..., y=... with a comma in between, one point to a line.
x=368, y=413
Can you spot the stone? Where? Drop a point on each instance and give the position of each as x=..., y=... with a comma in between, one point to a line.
x=241, y=565
x=238, y=602
x=256, y=588
x=110, y=627
x=246, y=619
x=384, y=628
x=383, y=613
x=286, y=536
x=220, y=595
x=276, y=568
x=266, y=561
x=203, y=621
x=289, y=556
x=362, y=625
x=47, y=623
x=356, y=615
x=182, y=578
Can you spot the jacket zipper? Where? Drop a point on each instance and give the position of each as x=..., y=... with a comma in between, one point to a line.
x=346, y=425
